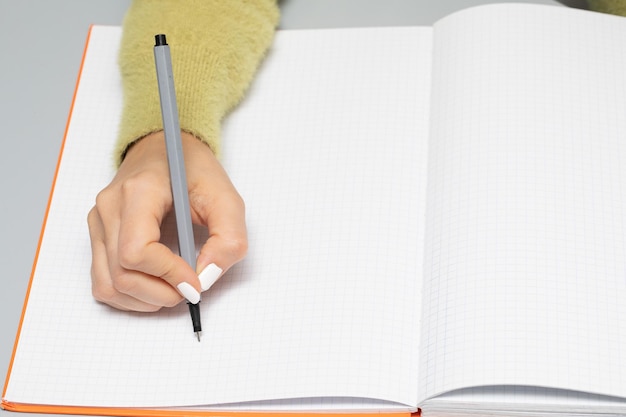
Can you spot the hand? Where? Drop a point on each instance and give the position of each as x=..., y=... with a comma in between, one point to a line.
x=130, y=269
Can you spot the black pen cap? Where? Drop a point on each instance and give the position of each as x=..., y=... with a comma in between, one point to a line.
x=160, y=40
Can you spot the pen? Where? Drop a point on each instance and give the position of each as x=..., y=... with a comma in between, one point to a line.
x=174, y=148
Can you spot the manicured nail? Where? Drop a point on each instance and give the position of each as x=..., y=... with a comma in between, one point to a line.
x=209, y=275
x=189, y=292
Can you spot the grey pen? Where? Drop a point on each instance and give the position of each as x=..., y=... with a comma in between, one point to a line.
x=178, y=178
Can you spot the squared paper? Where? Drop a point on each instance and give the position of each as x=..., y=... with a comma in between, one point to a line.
x=322, y=307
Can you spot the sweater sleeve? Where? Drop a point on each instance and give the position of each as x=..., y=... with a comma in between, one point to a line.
x=617, y=7
x=216, y=47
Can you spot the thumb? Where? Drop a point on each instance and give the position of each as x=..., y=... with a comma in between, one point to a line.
x=227, y=243
x=216, y=256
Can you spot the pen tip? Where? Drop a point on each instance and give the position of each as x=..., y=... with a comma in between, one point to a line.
x=198, y=336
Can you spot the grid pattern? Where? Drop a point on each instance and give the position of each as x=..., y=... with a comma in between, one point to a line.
x=325, y=305
x=526, y=242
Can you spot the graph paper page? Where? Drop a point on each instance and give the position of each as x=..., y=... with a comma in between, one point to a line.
x=329, y=153
x=526, y=219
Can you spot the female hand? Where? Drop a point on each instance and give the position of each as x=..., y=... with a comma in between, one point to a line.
x=131, y=269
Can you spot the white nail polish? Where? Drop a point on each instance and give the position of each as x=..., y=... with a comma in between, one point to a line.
x=209, y=275
x=189, y=292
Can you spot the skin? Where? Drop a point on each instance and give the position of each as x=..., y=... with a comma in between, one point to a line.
x=130, y=269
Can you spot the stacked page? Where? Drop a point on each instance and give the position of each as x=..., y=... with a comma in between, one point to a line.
x=437, y=221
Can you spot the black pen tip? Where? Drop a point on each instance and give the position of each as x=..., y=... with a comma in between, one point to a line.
x=198, y=336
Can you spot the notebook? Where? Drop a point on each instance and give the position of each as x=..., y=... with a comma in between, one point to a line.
x=437, y=224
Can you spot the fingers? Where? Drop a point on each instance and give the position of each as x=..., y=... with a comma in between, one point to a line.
x=110, y=291
x=131, y=268
x=139, y=243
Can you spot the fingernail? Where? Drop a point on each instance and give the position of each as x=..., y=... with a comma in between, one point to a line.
x=189, y=292
x=209, y=275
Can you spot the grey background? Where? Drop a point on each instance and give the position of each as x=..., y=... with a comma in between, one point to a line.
x=41, y=46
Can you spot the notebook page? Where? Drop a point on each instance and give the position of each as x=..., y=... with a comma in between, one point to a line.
x=325, y=305
x=525, y=259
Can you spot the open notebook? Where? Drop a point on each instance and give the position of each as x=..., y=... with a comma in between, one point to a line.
x=437, y=221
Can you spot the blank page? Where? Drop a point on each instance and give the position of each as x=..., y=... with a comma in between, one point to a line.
x=526, y=242
x=328, y=151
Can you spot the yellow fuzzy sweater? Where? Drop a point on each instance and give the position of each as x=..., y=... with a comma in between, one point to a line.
x=608, y=6
x=216, y=47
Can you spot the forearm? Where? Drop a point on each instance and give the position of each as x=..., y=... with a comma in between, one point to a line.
x=216, y=47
